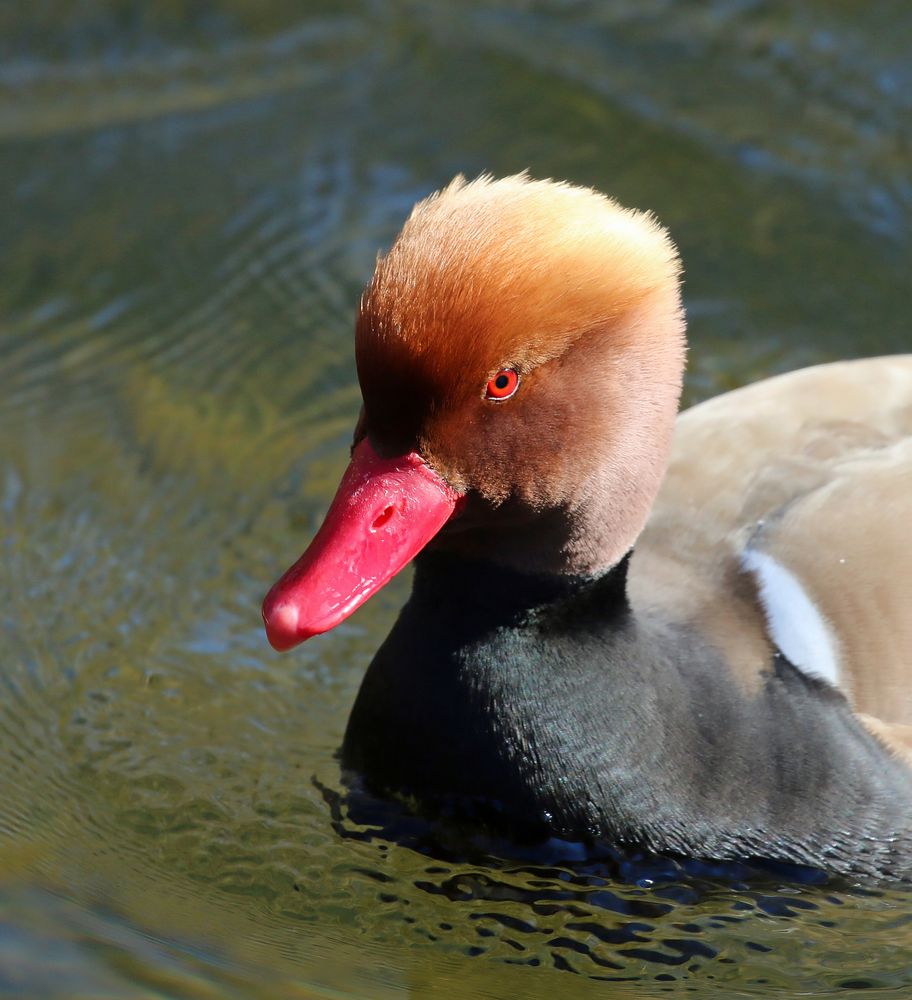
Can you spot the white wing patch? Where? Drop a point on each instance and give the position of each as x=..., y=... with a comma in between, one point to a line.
x=797, y=628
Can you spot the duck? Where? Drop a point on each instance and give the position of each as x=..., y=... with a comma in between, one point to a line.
x=686, y=634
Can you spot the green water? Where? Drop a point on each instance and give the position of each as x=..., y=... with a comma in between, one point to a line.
x=193, y=194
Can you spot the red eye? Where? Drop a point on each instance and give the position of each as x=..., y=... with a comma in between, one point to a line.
x=503, y=385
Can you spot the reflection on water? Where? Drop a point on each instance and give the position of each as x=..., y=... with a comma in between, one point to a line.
x=605, y=917
x=195, y=194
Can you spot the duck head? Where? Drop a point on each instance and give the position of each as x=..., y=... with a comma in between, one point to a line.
x=520, y=351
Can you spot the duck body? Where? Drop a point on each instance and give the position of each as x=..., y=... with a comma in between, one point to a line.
x=553, y=710
x=717, y=665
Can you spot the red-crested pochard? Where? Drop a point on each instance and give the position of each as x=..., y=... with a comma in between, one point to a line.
x=735, y=686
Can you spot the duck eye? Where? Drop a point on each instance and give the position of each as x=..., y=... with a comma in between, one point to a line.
x=502, y=385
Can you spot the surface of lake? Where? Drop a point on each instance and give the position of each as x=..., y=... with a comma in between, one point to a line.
x=193, y=195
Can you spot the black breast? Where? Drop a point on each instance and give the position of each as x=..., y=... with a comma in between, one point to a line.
x=546, y=703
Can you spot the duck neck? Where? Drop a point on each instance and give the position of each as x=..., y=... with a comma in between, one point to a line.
x=494, y=595
x=561, y=548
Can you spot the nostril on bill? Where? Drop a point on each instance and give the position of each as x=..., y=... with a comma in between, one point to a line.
x=382, y=517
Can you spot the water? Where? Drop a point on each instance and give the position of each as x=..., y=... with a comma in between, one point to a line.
x=193, y=196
